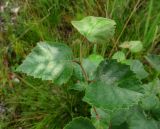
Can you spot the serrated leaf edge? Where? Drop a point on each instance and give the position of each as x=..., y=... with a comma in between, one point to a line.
x=29, y=74
x=114, y=109
x=80, y=117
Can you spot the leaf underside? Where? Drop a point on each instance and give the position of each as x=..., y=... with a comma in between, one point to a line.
x=133, y=46
x=49, y=62
x=95, y=29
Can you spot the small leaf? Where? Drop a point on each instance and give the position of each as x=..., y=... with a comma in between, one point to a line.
x=95, y=29
x=107, y=97
x=80, y=123
x=154, y=61
x=90, y=65
x=137, y=67
x=119, y=56
x=133, y=46
x=49, y=62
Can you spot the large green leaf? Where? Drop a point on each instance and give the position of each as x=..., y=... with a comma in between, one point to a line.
x=139, y=121
x=95, y=29
x=154, y=61
x=104, y=92
x=49, y=62
x=80, y=123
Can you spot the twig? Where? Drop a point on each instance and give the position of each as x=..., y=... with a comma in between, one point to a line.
x=83, y=70
x=97, y=115
x=124, y=27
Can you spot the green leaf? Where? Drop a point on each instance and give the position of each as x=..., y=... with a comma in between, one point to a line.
x=104, y=92
x=152, y=87
x=138, y=121
x=103, y=120
x=137, y=67
x=77, y=72
x=154, y=61
x=122, y=126
x=49, y=62
x=109, y=97
x=149, y=102
x=90, y=65
x=133, y=46
x=80, y=123
x=79, y=86
x=113, y=73
x=132, y=83
x=119, y=56
x=95, y=29
x=120, y=116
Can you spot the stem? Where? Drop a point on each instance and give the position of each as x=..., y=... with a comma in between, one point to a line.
x=83, y=70
x=80, y=52
x=95, y=48
x=110, y=126
x=26, y=82
x=97, y=115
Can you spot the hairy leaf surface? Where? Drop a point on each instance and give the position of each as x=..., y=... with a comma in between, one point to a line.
x=108, y=97
x=104, y=92
x=95, y=29
x=113, y=73
x=49, y=62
